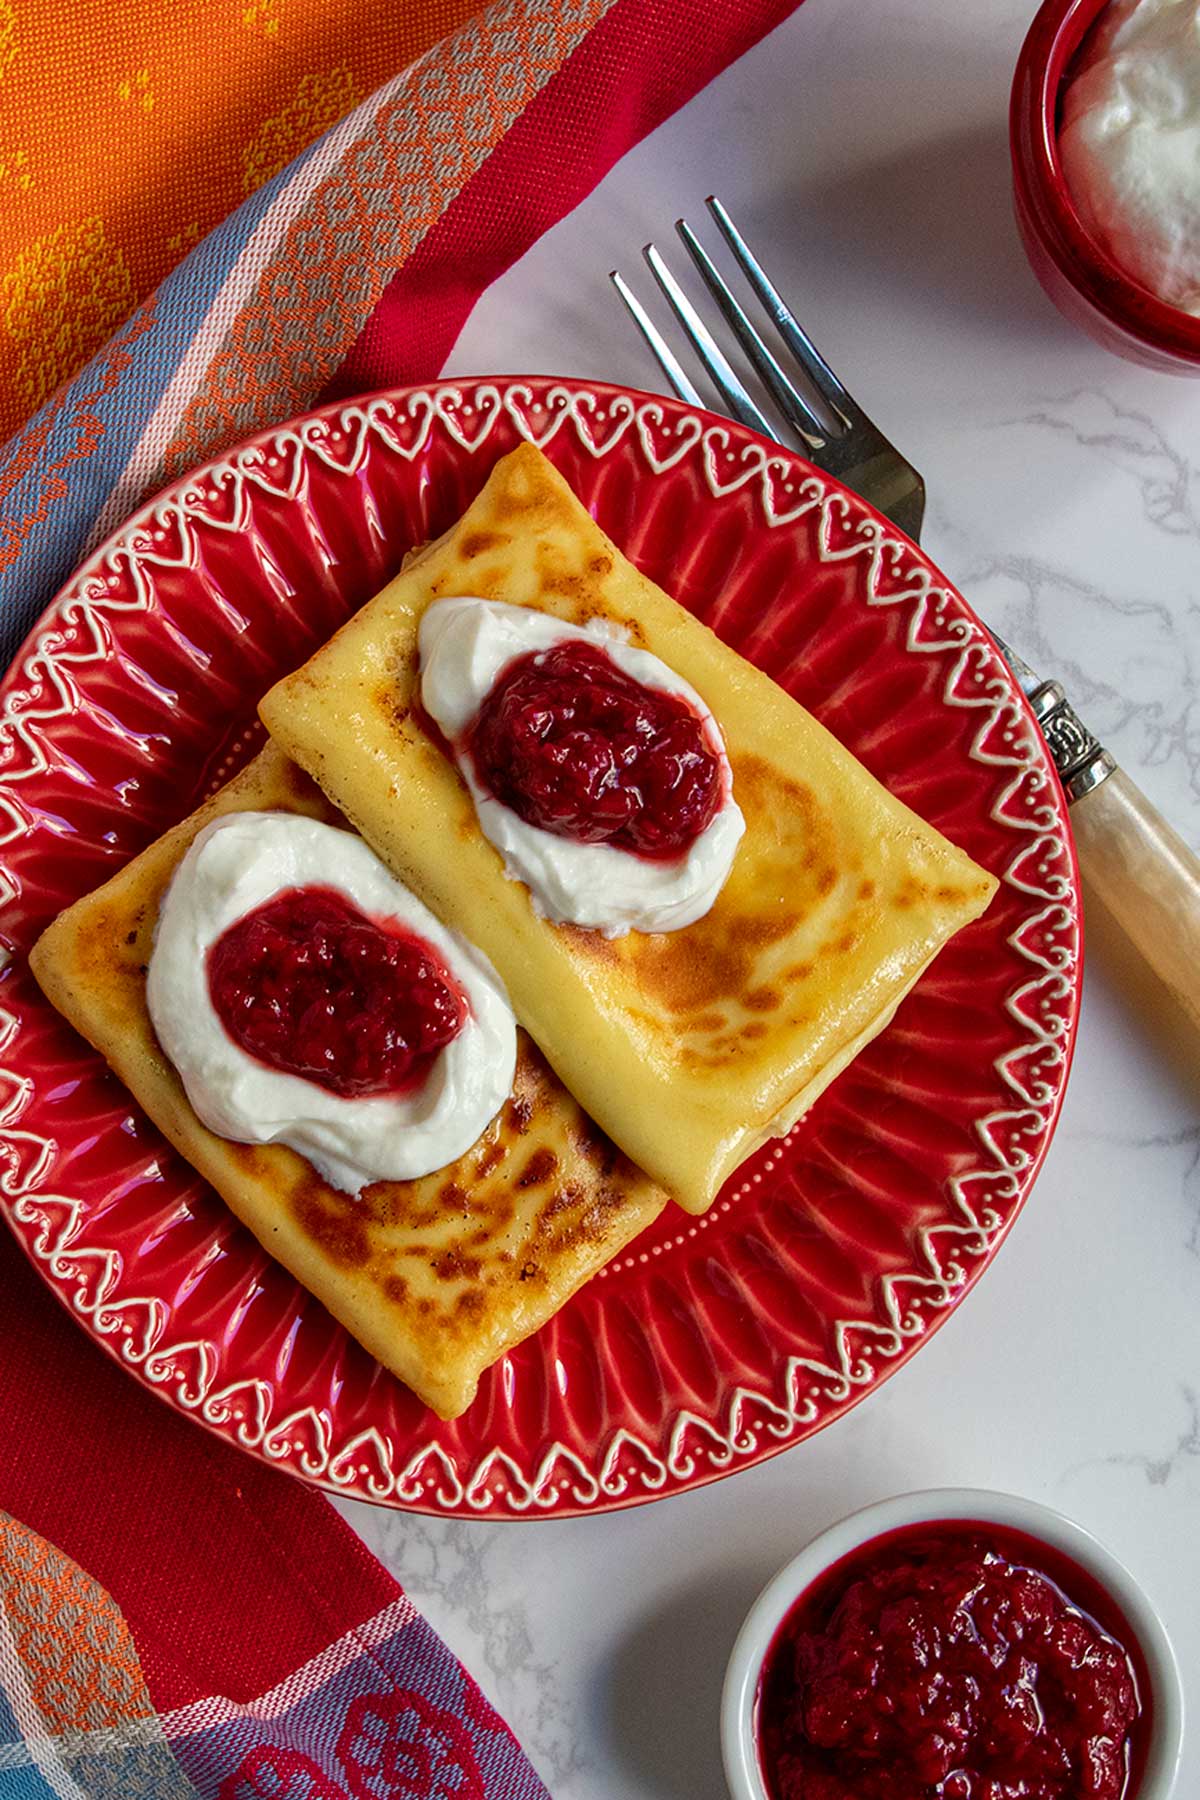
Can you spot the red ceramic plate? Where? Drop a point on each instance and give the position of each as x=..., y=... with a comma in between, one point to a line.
x=712, y=1342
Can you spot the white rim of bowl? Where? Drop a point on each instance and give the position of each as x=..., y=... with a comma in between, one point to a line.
x=739, y=1746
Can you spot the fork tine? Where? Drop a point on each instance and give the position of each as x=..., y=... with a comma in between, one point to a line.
x=659, y=348
x=789, y=329
x=734, y=395
x=792, y=405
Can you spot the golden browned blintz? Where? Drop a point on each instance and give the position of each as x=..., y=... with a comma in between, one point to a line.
x=437, y=1277
x=689, y=1047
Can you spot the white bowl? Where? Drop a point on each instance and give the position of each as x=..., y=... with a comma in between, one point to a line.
x=738, y=1738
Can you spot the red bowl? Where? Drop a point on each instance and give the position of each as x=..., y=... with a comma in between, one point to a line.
x=1080, y=277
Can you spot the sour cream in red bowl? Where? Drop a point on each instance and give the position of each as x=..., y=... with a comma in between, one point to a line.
x=951, y=1645
x=1073, y=250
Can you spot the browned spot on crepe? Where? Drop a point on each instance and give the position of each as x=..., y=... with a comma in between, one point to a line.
x=428, y=1274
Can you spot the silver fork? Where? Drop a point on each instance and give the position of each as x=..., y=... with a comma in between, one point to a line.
x=1135, y=863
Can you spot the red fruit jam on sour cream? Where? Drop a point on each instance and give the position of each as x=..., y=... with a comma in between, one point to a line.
x=953, y=1661
x=309, y=985
x=578, y=747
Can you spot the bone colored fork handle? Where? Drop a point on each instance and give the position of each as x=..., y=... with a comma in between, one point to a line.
x=1134, y=863
x=1147, y=878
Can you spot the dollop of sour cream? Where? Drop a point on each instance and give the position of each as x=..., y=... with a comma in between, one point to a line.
x=465, y=643
x=238, y=863
x=1130, y=142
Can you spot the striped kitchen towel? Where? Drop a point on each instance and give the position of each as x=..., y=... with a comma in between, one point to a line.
x=352, y=267
x=179, y=1621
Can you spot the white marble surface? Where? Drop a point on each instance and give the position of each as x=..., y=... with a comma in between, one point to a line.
x=867, y=145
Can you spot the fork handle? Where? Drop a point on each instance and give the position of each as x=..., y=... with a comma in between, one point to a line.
x=1144, y=874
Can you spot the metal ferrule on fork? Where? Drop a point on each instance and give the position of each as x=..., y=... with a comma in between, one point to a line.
x=1081, y=760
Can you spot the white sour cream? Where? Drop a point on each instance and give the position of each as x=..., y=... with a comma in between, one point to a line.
x=465, y=643
x=1130, y=143
x=235, y=865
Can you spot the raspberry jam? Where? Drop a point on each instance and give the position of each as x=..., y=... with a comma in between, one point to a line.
x=953, y=1661
x=310, y=986
x=576, y=746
